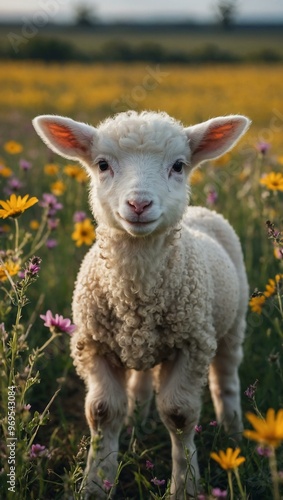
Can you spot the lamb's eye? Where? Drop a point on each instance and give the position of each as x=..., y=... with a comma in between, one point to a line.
x=103, y=165
x=178, y=166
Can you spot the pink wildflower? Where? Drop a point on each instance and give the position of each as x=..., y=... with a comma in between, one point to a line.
x=37, y=451
x=263, y=451
x=218, y=493
x=79, y=216
x=198, y=429
x=58, y=323
x=25, y=165
x=158, y=482
x=212, y=197
x=250, y=391
x=213, y=423
x=149, y=465
x=51, y=243
x=263, y=147
x=107, y=484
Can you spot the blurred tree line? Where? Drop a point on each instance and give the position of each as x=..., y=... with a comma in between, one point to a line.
x=52, y=49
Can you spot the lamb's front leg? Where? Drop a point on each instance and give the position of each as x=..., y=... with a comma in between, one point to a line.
x=105, y=407
x=179, y=401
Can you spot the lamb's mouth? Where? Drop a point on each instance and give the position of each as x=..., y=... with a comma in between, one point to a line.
x=138, y=222
x=139, y=227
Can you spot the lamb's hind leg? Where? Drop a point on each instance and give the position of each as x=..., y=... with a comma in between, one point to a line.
x=224, y=381
x=105, y=407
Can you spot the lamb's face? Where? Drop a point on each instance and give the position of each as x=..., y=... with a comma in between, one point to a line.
x=139, y=163
x=139, y=175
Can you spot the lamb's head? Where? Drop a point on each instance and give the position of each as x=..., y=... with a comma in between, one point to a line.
x=139, y=163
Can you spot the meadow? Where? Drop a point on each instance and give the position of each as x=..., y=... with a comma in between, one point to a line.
x=43, y=242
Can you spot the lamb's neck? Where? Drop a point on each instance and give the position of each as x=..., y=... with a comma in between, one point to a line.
x=134, y=258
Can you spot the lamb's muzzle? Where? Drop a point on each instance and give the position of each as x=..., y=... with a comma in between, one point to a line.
x=162, y=292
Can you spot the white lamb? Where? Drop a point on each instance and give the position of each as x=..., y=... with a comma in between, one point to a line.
x=163, y=293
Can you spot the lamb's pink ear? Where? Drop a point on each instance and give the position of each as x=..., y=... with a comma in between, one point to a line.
x=213, y=138
x=66, y=137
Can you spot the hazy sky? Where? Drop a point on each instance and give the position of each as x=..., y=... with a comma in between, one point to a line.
x=109, y=9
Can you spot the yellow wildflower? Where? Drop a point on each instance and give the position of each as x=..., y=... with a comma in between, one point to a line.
x=5, y=171
x=228, y=460
x=9, y=267
x=34, y=224
x=16, y=205
x=84, y=233
x=257, y=303
x=196, y=177
x=76, y=172
x=13, y=147
x=270, y=288
x=273, y=181
x=268, y=431
x=58, y=188
x=51, y=169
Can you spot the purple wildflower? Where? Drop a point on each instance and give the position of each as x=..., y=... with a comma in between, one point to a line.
x=33, y=266
x=201, y=496
x=263, y=451
x=198, y=429
x=58, y=323
x=13, y=185
x=27, y=407
x=218, y=493
x=158, y=482
x=213, y=423
x=79, y=216
x=50, y=201
x=25, y=165
x=52, y=224
x=263, y=147
x=212, y=197
x=51, y=243
x=250, y=391
x=37, y=450
x=107, y=484
x=149, y=465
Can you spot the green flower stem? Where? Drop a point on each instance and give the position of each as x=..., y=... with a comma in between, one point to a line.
x=14, y=342
x=243, y=494
x=42, y=417
x=53, y=336
x=230, y=482
x=38, y=235
x=16, y=235
x=14, y=345
x=274, y=474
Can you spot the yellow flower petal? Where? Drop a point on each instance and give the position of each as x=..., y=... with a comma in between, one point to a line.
x=16, y=205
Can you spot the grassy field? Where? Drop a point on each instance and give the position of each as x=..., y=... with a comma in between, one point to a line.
x=236, y=186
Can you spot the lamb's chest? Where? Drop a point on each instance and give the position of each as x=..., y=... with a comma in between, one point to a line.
x=142, y=332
